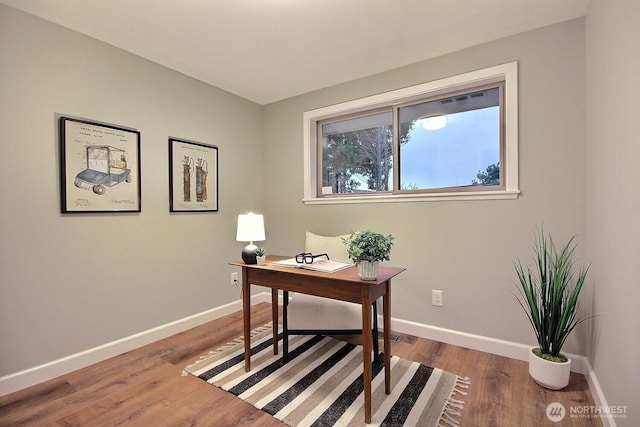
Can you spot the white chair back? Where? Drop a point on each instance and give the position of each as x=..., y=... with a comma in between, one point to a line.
x=332, y=246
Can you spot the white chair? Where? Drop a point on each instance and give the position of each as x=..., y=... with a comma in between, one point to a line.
x=310, y=315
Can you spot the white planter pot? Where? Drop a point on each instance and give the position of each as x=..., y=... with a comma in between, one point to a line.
x=261, y=260
x=551, y=375
x=368, y=270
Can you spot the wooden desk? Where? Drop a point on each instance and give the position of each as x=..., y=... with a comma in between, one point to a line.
x=342, y=285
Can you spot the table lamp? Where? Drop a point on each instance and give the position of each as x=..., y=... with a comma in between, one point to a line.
x=250, y=229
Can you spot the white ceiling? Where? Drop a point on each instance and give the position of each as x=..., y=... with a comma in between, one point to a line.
x=268, y=50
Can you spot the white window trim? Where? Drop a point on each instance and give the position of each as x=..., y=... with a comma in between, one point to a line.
x=507, y=72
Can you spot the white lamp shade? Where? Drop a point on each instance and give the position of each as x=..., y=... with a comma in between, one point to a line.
x=250, y=228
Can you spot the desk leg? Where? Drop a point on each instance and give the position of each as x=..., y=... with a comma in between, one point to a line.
x=367, y=343
x=274, y=318
x=386, y=320
x=246, y=318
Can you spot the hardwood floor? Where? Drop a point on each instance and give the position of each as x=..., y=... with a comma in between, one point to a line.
x=144, y=387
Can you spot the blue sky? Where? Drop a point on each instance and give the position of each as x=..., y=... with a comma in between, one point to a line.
x=451, y=156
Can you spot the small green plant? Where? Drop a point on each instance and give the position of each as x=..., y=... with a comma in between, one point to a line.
x=368, y=246
x=549, y=294
x=260, y=251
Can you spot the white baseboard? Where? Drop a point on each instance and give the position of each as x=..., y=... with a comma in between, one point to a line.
x=28, y=377
x=598, y=397
x=480, y=343
x=37, y=374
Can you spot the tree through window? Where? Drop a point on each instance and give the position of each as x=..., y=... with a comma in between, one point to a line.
x=357, y=154
x=451, y=138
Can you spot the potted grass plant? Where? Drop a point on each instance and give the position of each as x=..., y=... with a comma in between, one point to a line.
x=548, y=294
x=367, y=249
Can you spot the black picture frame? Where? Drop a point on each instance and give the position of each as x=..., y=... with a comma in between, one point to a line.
x=193, y=176
x=99, y=167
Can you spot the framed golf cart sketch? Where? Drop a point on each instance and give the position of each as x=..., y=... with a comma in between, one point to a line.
x=193, y=176
x=99, y=167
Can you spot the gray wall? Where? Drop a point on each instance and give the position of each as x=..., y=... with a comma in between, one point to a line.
x=465, y=248
x=613, y=206
x=69, y=283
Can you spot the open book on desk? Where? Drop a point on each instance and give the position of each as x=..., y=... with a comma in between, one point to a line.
x=324, y=265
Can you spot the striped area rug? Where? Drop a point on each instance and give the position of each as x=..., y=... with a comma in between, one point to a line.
x=322, y=384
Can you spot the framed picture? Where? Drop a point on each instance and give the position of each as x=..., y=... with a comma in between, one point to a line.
x=193, y=176
x=99, y=167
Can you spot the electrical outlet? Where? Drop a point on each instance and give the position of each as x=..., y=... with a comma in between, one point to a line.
x=437, y=298
x=234, y=278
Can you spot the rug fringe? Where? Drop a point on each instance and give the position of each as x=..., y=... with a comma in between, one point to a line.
x=236, y=341
x=450, y=417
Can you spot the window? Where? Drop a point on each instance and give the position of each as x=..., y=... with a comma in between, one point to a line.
x=452, y=142
x=452, y=138
x=357, y=154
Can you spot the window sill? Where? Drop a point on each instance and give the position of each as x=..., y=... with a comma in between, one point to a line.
x=433, y=197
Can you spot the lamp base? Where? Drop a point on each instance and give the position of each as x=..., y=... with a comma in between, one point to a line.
x=249, y=254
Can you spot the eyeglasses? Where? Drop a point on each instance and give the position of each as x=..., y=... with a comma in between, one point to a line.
x=308, y=257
